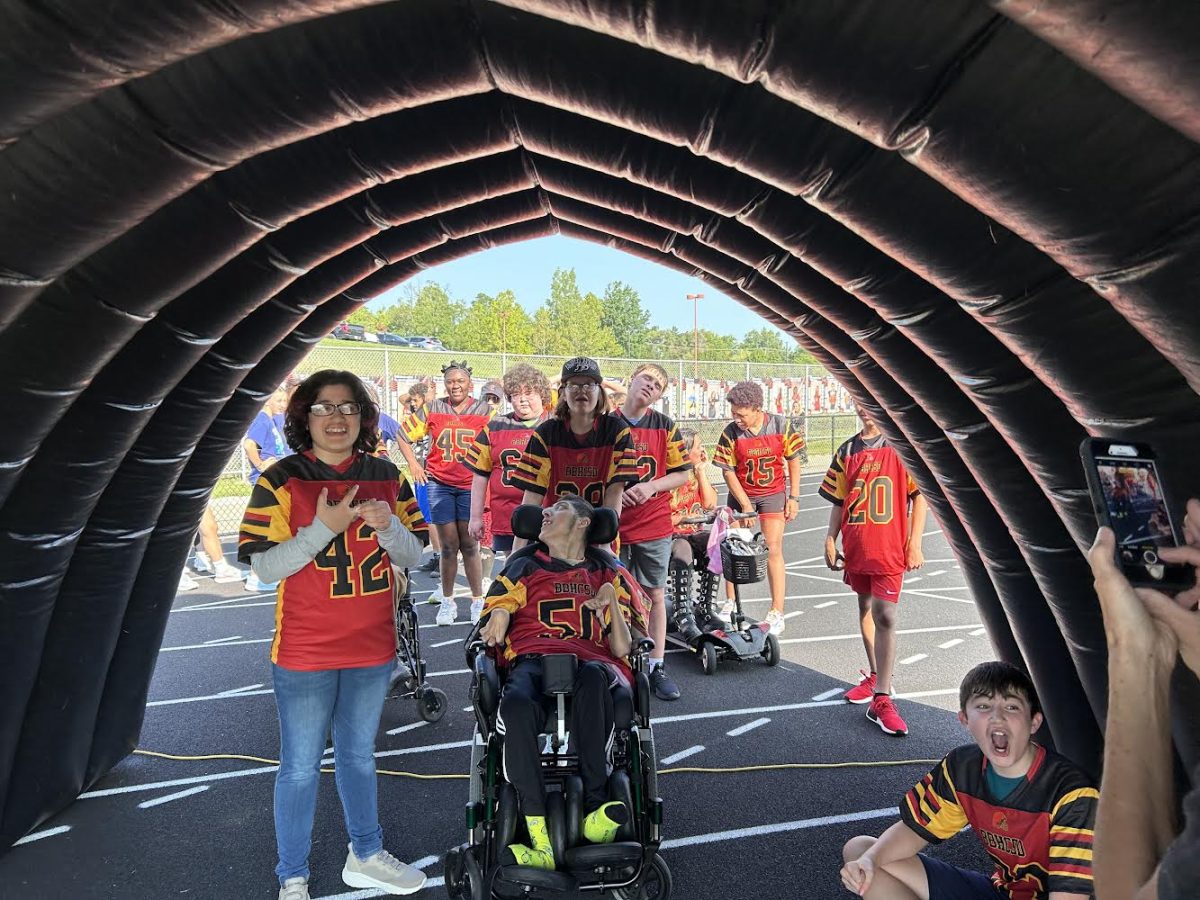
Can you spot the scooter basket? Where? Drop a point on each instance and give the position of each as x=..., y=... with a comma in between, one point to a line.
x=744, y=562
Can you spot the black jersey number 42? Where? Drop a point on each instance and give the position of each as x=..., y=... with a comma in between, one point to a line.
x=336, y=558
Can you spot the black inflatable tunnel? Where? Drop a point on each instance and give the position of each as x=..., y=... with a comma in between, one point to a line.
x=983, y=218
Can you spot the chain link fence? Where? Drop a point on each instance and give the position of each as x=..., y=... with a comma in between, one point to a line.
x=818, y=406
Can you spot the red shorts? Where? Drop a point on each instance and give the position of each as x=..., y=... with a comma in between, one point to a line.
x=885, y=587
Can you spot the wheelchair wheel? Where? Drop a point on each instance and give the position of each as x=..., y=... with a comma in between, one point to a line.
x=472, y=886
x=655, y=883
x=708, y=658
x=432, y=704
x=771, y=650
x=452, y=865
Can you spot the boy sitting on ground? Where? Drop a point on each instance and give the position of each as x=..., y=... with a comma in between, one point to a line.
x=1033, y=810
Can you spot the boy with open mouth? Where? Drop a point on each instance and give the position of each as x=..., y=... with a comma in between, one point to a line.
x=1033, y=810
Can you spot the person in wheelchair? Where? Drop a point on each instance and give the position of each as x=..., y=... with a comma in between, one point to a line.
x=690, y=503
x=562, y=599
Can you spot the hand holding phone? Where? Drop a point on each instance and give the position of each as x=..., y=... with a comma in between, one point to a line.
x=1129, y=497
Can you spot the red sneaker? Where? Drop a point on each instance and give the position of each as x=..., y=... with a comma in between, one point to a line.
x=863, y=691
x=882, y=712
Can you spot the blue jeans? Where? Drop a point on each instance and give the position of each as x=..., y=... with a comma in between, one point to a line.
x=308, y=702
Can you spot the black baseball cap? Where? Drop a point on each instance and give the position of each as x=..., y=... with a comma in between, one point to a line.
x=582, y=367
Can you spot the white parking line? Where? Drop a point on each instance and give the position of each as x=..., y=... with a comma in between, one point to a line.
x=825, y=604
x=682, y=754
x=911, y=578
x=757, y=830
x=240, y=690
x=979, y=632
x=404, y=728
x=952, y=643
x=39, y=835
x=915, y=658
x=207, y=607
x=221, y=696
x=818, y=577
x=858, y=637
x=805, y=530
x=832, y=692
x=749, y=726
x=159, y=801
x=447, y=643
x=236, y=637
x=216, y=646
x=937, y=596
x=935, y=573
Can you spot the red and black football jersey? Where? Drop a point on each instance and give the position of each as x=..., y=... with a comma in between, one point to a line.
x=868, y=480
x=545, y=597
x=758, y=459
x=557, y=461
x=496, y=451
x=1040, y=835
x=686, y=504
x=336, y=612
x=452, y=432
x=657, y=450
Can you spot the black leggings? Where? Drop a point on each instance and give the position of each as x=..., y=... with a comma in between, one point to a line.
x=523, y=715
x=687, y=548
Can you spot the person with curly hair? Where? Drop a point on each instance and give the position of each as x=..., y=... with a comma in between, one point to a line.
x=759, y=454
x=328, y=523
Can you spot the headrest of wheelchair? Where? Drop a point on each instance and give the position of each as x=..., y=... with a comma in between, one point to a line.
x=527, y=523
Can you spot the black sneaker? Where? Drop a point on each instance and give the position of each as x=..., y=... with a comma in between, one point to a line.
x=687, y=628
x=662, y=685
x=431, y=565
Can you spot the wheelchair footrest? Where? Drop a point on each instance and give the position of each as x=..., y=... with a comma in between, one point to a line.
x=590, y=857
x=515, y=881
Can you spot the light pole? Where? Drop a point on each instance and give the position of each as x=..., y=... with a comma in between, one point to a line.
x=695, y=298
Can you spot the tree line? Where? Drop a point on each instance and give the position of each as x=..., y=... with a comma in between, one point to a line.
x=569, y=322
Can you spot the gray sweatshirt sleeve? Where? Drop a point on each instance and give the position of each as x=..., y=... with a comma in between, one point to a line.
x=292, y=555
x=403, y=547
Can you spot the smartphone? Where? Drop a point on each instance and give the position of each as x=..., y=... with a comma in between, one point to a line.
x=1129, y=497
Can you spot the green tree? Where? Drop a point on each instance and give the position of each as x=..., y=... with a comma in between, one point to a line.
x=434, y=314
x=366, y=318
x=571, y=324
x=495, y=325
x=763, y=345
x=625, y=318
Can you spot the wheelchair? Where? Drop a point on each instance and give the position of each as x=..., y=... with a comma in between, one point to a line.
x=408, y=680
x=630, y=868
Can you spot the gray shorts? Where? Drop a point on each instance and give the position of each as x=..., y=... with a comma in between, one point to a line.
x=648, y=561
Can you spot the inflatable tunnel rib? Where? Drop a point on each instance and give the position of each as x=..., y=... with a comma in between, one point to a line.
x=984, y=219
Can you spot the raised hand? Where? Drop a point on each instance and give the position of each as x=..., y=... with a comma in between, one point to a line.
x=376, y=513
x=337, y=518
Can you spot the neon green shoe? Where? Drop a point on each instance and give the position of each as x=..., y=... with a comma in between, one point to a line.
x=601, y=826
x=520, y=855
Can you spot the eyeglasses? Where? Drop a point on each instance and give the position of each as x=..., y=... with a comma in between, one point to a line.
x=580, y=388
x=328, y=409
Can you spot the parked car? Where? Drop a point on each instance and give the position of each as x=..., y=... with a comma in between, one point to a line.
x=394, y=339
x=427, y=343
x=347, y=332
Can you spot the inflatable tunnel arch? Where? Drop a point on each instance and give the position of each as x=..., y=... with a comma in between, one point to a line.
x=983, y=218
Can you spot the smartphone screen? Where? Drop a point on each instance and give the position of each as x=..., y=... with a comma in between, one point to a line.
x=1137, y=511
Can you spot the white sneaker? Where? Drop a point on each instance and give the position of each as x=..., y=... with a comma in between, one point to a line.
x=777, y=622
x=476, y=609
x=253, y=584
x=186, y=582
x=447, y=612
x=224, y=573
x=202, y=563
x=294, y=889
x=383, y=872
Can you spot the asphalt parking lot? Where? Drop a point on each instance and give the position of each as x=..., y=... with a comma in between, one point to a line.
x=158, y=827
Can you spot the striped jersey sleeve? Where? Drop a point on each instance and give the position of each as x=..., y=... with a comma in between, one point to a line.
x=677, y=460
x=833, y=488
x=931, y=808
x=1072, y=823
x=507, y=590
x=724, y=456
x=532, y=471
x=623, y=466
x=408, y=511
x=266, y=521
x=415, y=425
x=479, y=455
x=793, y=441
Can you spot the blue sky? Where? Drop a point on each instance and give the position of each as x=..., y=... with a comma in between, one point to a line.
x=526, y=268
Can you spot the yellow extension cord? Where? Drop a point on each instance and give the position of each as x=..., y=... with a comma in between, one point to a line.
x=679, y=769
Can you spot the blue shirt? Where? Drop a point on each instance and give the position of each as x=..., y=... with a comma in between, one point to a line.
x=268, y=434
x=389, y=429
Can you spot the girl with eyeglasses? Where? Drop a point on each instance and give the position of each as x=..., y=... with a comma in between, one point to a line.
x=328, y=523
